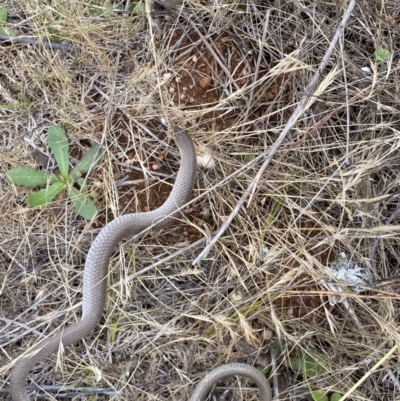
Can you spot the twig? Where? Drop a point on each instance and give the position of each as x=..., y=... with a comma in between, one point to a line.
x=392, y=375
x=301, y=107
x=62, y=393
x=303, y=104
x=169, y=257
x=275, y=376
x=35, y=42
x=367, y=374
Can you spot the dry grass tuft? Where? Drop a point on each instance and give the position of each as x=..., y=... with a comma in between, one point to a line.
x=232, y=73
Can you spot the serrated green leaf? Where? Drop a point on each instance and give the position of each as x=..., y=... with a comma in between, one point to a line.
x=91, y=158
x=46, y=195
x=84, y=206
x=58, y=144
x=29, y=177
x=3, y=14
x=382, y=54
x=335, y=397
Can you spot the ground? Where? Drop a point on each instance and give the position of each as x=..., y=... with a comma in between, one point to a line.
x=309, y=211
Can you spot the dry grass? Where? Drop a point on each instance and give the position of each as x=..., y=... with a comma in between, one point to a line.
x=232, y=75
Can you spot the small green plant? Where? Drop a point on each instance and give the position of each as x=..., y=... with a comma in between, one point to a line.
x=382, y=56
x=3, y=20
x=67, y=180
x=312, y=364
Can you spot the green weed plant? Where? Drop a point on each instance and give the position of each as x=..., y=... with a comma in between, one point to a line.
x=67, y=180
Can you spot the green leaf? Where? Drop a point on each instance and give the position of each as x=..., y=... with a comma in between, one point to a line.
x=58, y=144
x=29, y=177
x=6, y=31
x=318, y=396
x=3, y=14
x=84, y=206
x=335, y=397
x=114, y=327
x=309, y=366
x=109, y=10
x=138, y=8
x=278, y=348
x=382, y=54
x=46, y=195
x=3, y=20
x=91, y=158
x=248, y=157
x=312, y=367
x=9, y=106
x=83, y=185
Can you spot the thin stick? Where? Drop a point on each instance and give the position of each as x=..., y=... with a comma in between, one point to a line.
x=35, y=42
x=365, y=377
